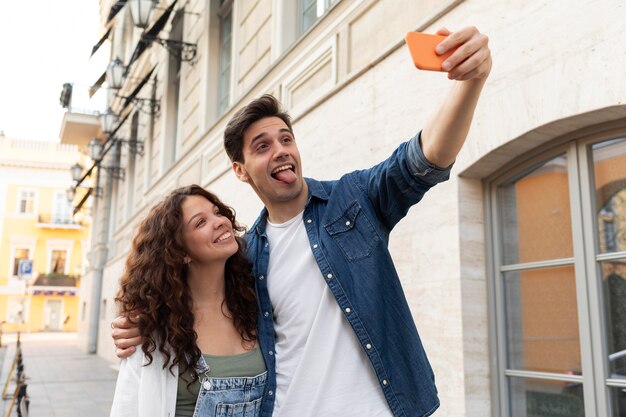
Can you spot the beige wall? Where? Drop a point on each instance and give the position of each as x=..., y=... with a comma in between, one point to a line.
x=354, y=95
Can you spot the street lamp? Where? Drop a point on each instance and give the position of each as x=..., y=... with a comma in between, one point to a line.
x=115, y=73
x=95, y=149
x=140, y=11
x=76, y=171
x=107, y=121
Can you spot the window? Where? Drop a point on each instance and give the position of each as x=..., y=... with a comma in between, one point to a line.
x=58, y=261
x=26, y=202
x=61, y=208
x=310, y=11
x=18, y=255
x=173, y=98
x=130, y=167
x=15, y=310
x=226, y=31
x=560, y=284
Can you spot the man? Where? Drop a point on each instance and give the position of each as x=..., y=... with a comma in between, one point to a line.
x=335, y=328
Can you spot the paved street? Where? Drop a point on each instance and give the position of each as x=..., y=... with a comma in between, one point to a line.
x=62, y=380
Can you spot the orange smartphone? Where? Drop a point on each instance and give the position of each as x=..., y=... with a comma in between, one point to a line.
x=422, y=48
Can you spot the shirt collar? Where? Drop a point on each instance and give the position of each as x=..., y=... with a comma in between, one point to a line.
x=316, y=189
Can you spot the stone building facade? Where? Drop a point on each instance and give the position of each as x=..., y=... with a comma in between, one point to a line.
x=512, y=268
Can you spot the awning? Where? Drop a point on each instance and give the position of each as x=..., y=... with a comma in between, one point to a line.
x=148, y=36
x=137, y=89
x=100, y=42
x=94, y=88
x=117, y=6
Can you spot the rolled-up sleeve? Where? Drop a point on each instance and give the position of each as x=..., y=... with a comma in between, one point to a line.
x=420, y=167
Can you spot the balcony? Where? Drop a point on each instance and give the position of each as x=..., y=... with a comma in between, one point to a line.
x=55, y=284
x=47, y=221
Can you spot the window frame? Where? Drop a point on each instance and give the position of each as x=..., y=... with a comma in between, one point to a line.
x=60, y=217
x=59, y=245
x=225, y=9
x=17, y=242
x=585, y=260
x=20, y=193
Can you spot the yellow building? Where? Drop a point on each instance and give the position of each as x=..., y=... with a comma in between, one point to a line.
x=36, y=224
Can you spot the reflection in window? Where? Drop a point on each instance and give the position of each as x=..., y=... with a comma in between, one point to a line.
x=542, y=320
x=544, y=398
x=535, y=214
x=614, y=286
x=610, y=182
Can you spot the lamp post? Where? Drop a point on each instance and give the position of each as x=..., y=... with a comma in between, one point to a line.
x=95, y=149
x=76, y=171
x=115, y=73
x=140, y=11
x=107, y=121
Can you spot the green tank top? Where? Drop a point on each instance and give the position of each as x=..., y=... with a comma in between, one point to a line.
x=247, y=364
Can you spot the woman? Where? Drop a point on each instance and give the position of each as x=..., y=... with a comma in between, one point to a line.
x=190, y=288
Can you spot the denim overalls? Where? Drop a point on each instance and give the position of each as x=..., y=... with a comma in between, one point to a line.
x=230, y=396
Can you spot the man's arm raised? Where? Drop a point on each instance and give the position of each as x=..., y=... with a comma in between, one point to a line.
x=125, y=336
x=444, y=134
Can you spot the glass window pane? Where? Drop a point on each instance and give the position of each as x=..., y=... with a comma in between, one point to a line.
x=609, y=164
x=19, y=255
x=618, y=401
x=309, y=14
x=614, y=294
x=544, y=398
x=225, y=62
x=542, y=320
x=57, y=263
x=535, y=215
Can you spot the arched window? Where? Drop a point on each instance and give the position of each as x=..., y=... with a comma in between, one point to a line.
x=559, y=290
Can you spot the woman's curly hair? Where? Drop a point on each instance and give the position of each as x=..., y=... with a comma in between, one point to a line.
x=154, y=292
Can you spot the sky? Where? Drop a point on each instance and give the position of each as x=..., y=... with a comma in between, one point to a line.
x=44, y=44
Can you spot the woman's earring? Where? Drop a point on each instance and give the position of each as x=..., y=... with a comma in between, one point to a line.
x=187, y=259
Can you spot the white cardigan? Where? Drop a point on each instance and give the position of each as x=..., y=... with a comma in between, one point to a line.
x=145, y=391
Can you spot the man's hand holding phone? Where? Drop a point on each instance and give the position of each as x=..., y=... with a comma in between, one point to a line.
x=464, y=55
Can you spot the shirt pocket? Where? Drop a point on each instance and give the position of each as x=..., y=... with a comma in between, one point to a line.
x=353, y=232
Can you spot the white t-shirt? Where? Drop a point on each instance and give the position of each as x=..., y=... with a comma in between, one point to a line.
x=321, y=369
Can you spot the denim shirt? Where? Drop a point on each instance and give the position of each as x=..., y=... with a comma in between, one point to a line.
x=348, y=222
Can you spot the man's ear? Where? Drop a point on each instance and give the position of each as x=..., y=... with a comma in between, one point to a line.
x=240, y=171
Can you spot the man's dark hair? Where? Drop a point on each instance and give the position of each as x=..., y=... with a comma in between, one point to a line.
x=264, y=106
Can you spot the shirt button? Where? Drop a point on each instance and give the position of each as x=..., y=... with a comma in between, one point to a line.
x=368, y=346
x=329, y=276
x=348, y=223
x=261, y=277
x=271, y=352
x=315, y=246
x=384, y=382
x=266, y=244
x=266, y=314
x=270, y=392
x=309, y=221
x=348, y=309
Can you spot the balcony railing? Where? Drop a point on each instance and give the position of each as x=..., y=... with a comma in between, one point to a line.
x=58, y=221
x=56, y=280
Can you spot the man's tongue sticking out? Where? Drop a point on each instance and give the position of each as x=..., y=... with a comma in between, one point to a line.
x=287, y=176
